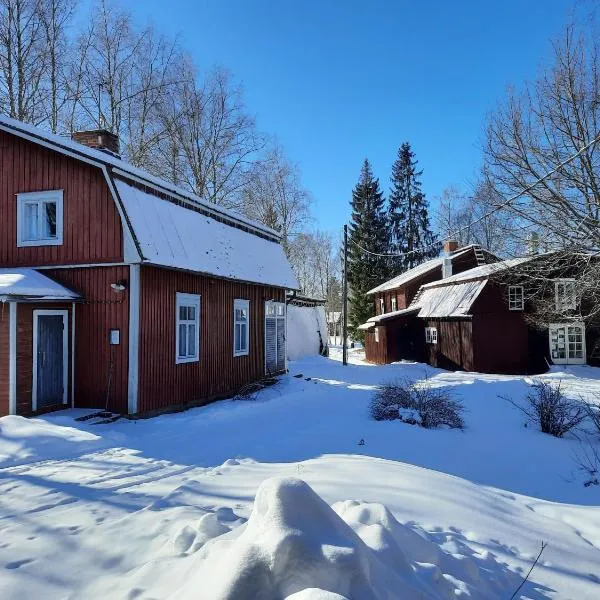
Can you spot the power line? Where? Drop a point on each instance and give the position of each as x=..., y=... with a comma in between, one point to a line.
x=491, y=212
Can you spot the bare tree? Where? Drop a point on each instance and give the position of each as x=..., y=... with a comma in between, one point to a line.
x=23, y=60
x=537, y=131
x=469, y=218
x=275, y=196
x=55, y=17
x=212, y=143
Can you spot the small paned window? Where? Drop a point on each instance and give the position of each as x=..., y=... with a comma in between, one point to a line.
x=40, y=218
x=241, y=327
x=381, y=306
x=377, y=334
x=565, y=294
x=431, y=335
x=394, y=304
x=516, y=297
x=187, y=333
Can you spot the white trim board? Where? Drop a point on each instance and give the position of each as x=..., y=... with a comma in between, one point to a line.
x=65, y=317
x=12, y=360
x=134, y=339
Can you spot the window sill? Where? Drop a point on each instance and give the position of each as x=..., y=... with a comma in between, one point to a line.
x=182, y=361
x=236, y=354
x=29, y=243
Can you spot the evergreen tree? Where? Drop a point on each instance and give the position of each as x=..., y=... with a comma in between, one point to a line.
x=368, y=233
x=408, y=214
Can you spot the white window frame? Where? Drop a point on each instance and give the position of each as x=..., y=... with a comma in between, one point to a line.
x=431, y=335
x=394, y=304
x=240, y=304
x=563, y=343
x=560, y=306
x=39, y=198
x=377, y=334
x=381, y=306
x=516, y=301
x=184, y=299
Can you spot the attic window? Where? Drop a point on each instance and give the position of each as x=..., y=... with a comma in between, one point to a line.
x=394, y=304
x=565, y=294
x=516, y=297
x=40, y=218
x=381, y=306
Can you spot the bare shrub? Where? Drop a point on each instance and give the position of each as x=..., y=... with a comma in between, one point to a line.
x=593, y=412
x=547, y=407
x=588, y=459
x=418, y=404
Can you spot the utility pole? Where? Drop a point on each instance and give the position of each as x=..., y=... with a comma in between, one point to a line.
x=345, y=300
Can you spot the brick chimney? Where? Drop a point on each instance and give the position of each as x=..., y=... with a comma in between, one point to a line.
x=99, y=139
x=450, y=246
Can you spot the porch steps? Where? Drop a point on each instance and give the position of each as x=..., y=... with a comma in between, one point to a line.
x=100, y=417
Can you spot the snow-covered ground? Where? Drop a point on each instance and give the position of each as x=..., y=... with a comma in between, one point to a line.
x=166, y=507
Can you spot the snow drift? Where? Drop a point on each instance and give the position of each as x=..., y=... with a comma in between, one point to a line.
x=296, y=546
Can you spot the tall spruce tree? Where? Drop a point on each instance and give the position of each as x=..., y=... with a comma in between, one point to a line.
x=368, y=236
x=410, y=231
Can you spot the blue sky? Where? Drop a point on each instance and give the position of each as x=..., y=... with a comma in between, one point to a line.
x=337, y=81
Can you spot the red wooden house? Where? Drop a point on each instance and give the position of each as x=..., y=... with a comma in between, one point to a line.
x=476, y=320
x=397, y=336
x=118, y=289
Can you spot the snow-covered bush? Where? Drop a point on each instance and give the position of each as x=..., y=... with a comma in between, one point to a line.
x=418, y=404
x=550, y=409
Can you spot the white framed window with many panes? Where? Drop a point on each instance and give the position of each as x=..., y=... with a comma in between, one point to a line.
x=40, y=218
x=431, y=336
x=564, y=290
x=187, y=332
x=516, y=297
x=241, y=327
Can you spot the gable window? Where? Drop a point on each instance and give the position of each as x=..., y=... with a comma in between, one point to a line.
x=381, y=306
x=516, y=297
x=431, y=335
x=187, y=334
x=394, y=304
x=565, y=294
x=241, y=327
x=40, y=218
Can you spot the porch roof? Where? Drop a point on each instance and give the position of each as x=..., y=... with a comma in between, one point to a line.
x=29, y=284
x=377, y=319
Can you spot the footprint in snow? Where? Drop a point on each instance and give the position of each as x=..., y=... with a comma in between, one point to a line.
x=18, y=563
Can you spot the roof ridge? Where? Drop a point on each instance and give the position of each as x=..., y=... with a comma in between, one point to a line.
x=122, y=167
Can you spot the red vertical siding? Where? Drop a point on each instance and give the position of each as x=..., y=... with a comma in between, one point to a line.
x=163, y=383
x=454, y=348
x=92, y=229
x=102, y=309
x=4, y=357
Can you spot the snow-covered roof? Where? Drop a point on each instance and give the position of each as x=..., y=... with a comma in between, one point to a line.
x=170, y=235
x=448, y=301
x=418, y=271
x=29, y=283
x=119, y=166
x=481, y=272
